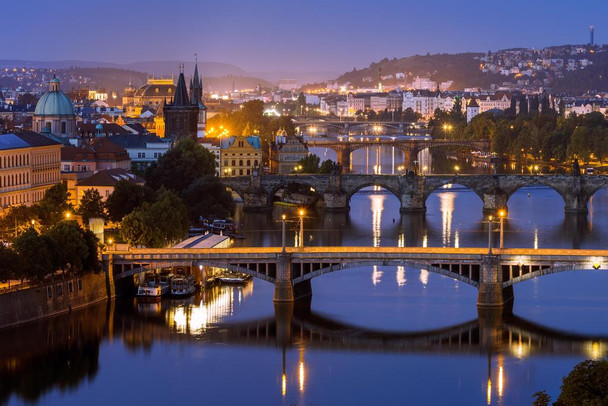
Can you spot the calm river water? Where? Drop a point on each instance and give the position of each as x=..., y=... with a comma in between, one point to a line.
x=381, y=335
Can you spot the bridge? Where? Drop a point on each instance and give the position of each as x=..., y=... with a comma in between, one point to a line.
x=345, y=127
x=291, y=269
x=335, y=190
x=410, y=147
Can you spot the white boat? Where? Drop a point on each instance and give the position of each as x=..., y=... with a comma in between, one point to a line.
x=183, y=286
x=154, y=287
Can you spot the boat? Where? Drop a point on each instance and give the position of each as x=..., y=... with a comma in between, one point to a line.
x=234, y=278
x=183, y=286
x=154, y=287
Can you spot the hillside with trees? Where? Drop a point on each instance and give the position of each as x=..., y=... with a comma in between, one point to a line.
x=463, y=69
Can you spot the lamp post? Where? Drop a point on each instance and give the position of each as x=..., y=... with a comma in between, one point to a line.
x=502, y=214
x=283, y=233
x=490, y=222
x=301, y=212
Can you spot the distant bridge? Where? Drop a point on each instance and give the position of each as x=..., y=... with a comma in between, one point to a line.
x=344, y=146
x=494, y=191
x=349, y=127
x=494, y=274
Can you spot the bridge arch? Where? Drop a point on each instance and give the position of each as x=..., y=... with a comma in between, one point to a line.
x=284, y=184
x=596, y=189
x=456, y=181
x=393, y=190
x=585, y=267
x=378, y=262
x=562, y=193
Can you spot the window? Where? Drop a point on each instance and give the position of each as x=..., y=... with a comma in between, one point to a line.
x=66, y=168
x=59, y=289
x=79, y=284
x=240, y=171
x=240, y=162
x=63, y=127
x=248, y=163
x=70, y=287
x=107, y=193
x=141, y=154
x=49, y=292
x=233, y=162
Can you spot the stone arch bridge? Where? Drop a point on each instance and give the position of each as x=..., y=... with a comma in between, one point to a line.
x=412, y=191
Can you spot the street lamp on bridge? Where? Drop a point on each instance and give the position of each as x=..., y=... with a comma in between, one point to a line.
x=301, y=213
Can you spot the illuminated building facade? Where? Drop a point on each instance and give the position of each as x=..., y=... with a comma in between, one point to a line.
x=240, y=155
x=29, y=165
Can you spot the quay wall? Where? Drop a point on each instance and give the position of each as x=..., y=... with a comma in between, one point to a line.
x=56, y=297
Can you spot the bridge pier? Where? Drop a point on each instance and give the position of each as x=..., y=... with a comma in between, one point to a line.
x=494, y=199
x=284, y=289
x=491, y=293
x=344, y=159
x=255, y=201
x=575, y=204
x=412, y=195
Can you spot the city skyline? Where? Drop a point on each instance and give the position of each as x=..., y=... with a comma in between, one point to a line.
x=277, y=36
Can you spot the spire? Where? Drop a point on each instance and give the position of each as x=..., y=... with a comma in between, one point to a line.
x=181, y=93
x=196, y=85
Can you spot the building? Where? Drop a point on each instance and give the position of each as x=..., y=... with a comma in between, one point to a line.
x=213, y=145
x=150, y=95
x=196, y=98
x=55, y=112
x=104, y=182
x=29, y=165
x=285, y=152
x=96, y=155
x=181, y=115
x=472, y=109
x=240, y=155
x=143, y=149
x=497, y=101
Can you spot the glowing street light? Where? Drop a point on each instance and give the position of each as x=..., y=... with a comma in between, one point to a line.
x=301, y=213
x=67, y=215
x=502, y=213
x=283, y=239
x=457, y=169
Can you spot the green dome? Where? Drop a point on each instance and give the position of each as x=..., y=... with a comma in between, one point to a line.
x=54, y=103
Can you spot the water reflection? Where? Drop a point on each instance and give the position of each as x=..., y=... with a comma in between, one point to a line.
x=211, y=306
x=66, y=349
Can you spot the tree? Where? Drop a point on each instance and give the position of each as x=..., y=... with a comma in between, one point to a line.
x=310, y=164
x=328, y=166
x=71, y=250
x=36, y=255
x=124, y=199
x=18, y=220
x=54, y=205
x=207, y=197
x=586, y=384
x=158, y=224
x=91, y=205
x=541, y=399
x=181, y=166
x=8, y=263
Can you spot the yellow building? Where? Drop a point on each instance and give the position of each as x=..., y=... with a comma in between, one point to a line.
x=29, y=165
x=240, y=155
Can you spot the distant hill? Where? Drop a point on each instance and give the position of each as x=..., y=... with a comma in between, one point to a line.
x=463, y=69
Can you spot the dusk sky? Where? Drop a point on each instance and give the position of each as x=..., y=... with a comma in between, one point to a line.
x=270, y=35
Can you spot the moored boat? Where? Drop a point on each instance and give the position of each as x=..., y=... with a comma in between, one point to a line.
x=234, y=278
x=183, y=286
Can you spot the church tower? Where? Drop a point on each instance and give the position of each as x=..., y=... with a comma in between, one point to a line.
x=196, y=98
x=181, y=115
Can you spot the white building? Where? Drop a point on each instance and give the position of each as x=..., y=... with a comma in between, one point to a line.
x=143, y=149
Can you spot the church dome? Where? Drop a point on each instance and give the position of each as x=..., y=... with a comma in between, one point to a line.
x=54, y=102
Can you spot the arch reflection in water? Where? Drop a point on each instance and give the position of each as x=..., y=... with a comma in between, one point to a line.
x=214, y=305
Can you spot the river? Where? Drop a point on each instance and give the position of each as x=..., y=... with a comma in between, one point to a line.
x=379, y=335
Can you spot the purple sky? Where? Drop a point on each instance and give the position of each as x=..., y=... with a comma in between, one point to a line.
x=271, y=35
